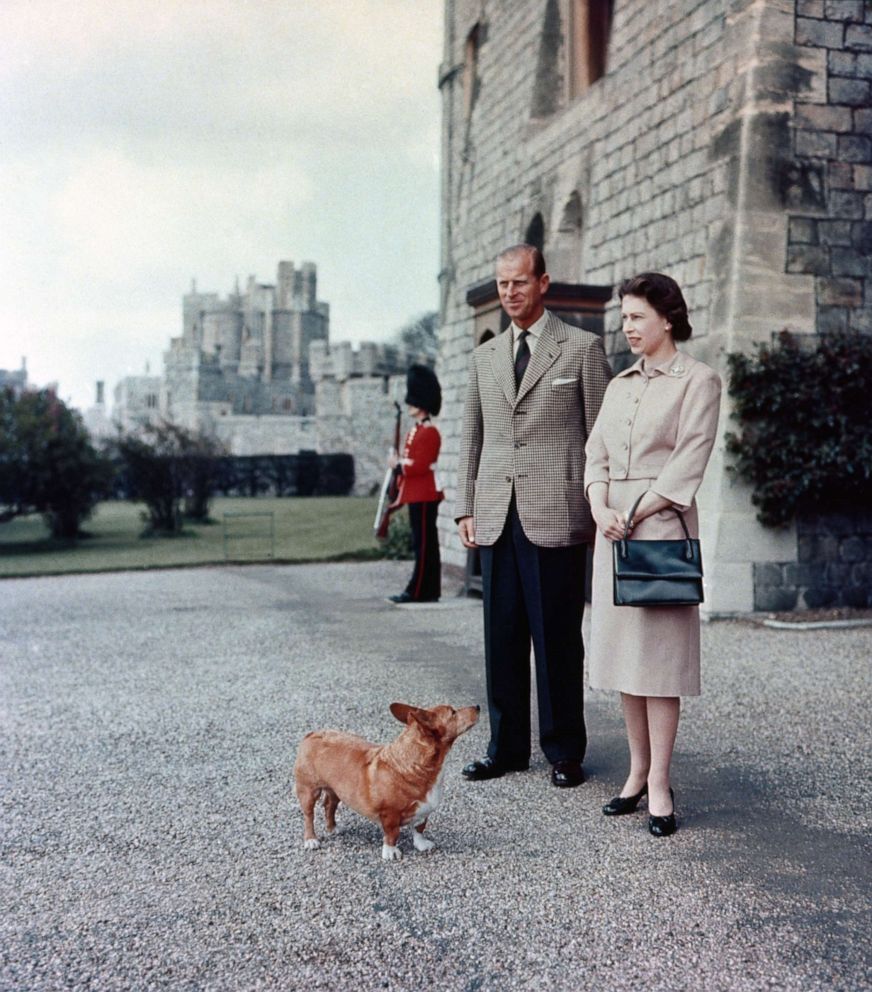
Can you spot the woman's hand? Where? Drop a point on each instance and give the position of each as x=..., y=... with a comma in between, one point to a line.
x=610, y=522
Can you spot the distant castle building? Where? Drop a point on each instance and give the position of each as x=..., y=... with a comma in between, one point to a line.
x=256, y=371
x=15, y=380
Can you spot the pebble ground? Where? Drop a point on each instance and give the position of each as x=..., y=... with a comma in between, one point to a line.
x=150, y=838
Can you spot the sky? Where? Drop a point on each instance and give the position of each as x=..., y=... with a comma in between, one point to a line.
x=147, y=143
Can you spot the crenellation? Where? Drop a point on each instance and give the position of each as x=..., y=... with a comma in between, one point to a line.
x=256, y=370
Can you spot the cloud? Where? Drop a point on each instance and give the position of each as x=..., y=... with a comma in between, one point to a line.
x=143, y=143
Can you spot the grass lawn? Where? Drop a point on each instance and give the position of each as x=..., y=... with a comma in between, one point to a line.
x=305, y=529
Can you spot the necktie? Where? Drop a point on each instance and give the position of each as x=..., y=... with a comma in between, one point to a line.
x=522, y=359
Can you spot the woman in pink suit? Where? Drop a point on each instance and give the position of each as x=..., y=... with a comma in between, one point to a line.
x=653, y=436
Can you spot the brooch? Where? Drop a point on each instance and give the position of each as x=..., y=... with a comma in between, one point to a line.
x=677, y=371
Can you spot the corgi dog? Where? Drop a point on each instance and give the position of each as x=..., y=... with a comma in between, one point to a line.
x=392, y=784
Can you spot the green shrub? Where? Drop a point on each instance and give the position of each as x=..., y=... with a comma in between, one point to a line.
x=804, y=406
x=398, y=543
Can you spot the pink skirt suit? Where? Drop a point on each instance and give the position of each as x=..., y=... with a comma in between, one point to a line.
x=655, y=431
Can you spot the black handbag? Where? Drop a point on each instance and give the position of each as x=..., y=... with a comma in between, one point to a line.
x=657, y=573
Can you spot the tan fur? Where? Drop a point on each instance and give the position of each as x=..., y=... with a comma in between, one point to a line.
x=387, y=783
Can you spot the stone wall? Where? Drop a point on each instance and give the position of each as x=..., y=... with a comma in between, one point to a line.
x=716, y=148
x=833, y=565
x=831, y=237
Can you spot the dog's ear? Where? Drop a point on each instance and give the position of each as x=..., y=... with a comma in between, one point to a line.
x=402, y=711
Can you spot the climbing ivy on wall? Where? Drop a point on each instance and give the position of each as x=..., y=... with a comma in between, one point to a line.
x=804, y=410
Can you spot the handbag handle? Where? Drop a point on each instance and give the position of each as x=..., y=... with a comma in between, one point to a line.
x=688, y=552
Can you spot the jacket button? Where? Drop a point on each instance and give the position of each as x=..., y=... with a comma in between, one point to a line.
x=517, y=445
x=508, y=478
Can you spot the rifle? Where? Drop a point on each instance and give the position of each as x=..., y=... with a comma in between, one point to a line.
x=390, y=489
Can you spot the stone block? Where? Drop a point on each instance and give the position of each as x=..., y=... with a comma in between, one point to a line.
x=863, y=177
x=796, y=575
x=863, y=121
x=840, y=175
x=772, y=599
x=840, y=292
x=768, y=574
x=835, y=574
x=832, y=320
x=834, y=232
x=861, y=236
x=816, y=144
x=819, y=597
x=824, y=34
x=848, y=204
x=857, y=597
x=803, y=231
x=823, y=117
x=848, y=92
x=850, y=262
x=854, y=148
x=853, y=549
x=810, y=8
x=858, y=37
x=842, y=63
x=810, y=259
x=861, y=320
x=844, y=10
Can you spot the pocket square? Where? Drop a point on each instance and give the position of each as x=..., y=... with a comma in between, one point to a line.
x=562, y=382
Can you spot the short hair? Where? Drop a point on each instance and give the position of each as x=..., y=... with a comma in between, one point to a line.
x=664, y=294
x=535, y=254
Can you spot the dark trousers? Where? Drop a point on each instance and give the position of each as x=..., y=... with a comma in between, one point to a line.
x=426, y=580
x=533, y=592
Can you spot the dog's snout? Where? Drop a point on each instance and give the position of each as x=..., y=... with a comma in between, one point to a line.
x=477, y=708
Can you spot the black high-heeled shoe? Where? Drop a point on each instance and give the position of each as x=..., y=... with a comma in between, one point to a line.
x=623, y=804
x=663, y=826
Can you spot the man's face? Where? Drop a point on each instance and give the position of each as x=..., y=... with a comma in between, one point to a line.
x=520, y=290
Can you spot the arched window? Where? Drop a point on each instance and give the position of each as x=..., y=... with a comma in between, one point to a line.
x=535, y=235
x=564, y=248
x=590, y=25
x=470, y=70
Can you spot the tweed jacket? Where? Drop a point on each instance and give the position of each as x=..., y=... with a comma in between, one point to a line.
x=531, y=441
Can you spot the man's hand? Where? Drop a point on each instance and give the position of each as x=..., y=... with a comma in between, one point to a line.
x=466, y=526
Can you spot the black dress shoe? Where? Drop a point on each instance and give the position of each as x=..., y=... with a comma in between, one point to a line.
x=487, y=767
x=567, y=774
x=663, y=826
x=404, y=597
x=624, y=804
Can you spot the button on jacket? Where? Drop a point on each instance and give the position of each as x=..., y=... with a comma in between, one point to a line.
x=530, y=441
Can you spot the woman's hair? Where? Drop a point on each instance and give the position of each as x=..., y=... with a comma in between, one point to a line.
x=664, y=294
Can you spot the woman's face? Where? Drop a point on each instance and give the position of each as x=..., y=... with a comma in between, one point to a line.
x=648, y=333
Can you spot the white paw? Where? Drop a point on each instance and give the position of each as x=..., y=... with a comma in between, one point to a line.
x=312, y=845
x=421, y=842
x=391, y=853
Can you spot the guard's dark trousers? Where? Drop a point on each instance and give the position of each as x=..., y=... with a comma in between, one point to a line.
x=533, y=592
x=426, y=580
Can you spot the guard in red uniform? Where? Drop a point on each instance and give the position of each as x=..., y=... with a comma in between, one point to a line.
x=419, y=489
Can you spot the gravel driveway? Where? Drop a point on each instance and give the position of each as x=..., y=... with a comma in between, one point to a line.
x=150, y=839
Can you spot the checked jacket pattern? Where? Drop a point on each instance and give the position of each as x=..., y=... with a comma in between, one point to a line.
x=530, y=441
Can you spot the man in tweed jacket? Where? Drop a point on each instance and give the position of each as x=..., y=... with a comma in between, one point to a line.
x=534, y=393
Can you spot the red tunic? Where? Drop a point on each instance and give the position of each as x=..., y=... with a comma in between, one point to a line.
x=418, y=481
